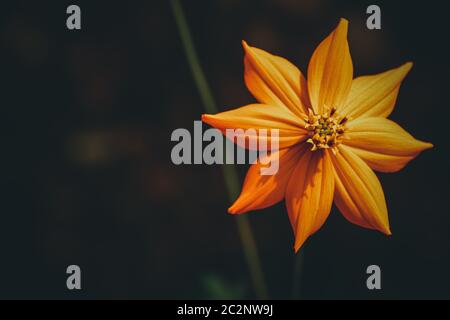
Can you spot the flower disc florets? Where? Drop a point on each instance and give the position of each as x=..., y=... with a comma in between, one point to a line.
x=325, y=130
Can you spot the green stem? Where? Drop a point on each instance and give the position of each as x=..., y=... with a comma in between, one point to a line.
x=296, y=279
x=230, y=175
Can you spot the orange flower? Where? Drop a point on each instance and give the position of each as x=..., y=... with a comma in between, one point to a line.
x=333, y=131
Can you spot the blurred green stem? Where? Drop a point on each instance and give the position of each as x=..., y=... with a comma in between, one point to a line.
x=297, y=272
x=230, y=175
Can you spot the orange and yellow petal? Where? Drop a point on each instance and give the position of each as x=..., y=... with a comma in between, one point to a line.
x=375, y=95
x=330, y=70
x=257, y=117
x=358, y=192
x=309, y=194
x=275, y=81
x=262, y=191
x=382, y=144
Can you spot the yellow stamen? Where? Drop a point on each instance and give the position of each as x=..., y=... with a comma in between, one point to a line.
x=325, y=130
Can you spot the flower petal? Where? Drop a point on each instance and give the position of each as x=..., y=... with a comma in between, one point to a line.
x=309, y=194
x=274, y=80
x=375, y=95
x=330, y=70
x=260, y=116
x=262, y=191
x=382, y=143
x=359, y=195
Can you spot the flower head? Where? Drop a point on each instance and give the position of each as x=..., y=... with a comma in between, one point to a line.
x=333, y=132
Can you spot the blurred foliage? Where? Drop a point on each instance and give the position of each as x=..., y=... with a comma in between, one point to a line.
x=216, y=287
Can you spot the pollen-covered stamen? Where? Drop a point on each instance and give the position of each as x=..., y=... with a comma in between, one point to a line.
x=325, y=130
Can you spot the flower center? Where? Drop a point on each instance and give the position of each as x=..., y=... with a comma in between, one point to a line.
x=325, y=130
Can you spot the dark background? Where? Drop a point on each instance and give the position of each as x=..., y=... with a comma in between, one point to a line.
x=87, y=176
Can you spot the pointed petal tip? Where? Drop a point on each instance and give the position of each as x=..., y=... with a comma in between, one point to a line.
x=231, y=210
x=298, y=245
x=343, y=25
x=212, y=119
x=383, y=226
x=206, y=118
x=385, y=229
x=300, y=241
x=245, y=45
x=407, y=66
x=344, y=21
x=234, y=209
x=424, y=145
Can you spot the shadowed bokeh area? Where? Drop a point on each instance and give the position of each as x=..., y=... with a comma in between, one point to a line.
x=88, y=179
